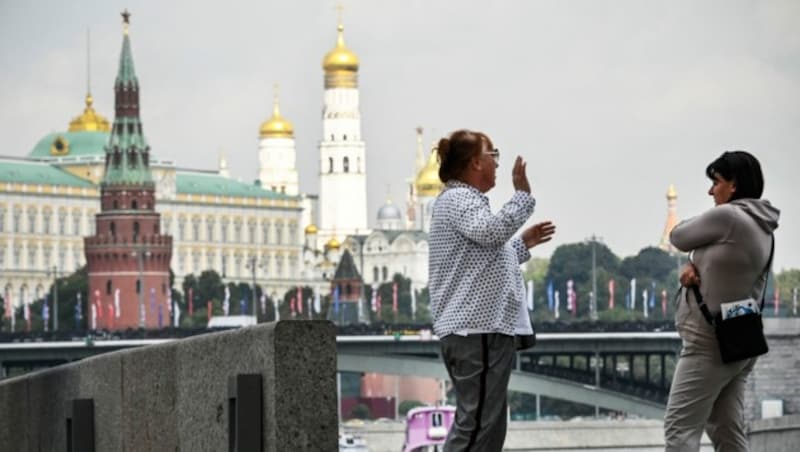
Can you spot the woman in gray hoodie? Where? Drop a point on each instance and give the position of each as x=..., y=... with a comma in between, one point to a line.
x=730, y=247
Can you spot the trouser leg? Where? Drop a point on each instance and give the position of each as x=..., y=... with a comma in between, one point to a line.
x=726, y=426
x=480, y=367
x=691, y=398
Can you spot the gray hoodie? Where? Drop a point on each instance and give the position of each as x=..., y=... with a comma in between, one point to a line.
x=730, y=246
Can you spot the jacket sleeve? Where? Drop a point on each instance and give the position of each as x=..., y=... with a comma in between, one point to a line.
x=709, y=227
x=522, y=252
x=474, y=219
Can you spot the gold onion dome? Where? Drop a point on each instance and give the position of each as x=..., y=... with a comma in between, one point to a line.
x=89, y=120
x=340, y=64
x=311, y=229
x=333, y=244
x=671, y=192
x=277, y=126
x=428, y=182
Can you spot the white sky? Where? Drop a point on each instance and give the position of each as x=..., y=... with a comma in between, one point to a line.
x=609, y=101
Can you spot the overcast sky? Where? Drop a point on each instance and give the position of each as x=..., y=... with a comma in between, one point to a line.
x=609, y=101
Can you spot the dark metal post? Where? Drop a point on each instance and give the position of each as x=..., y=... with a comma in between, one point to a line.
x=245, y=413
x=80, y=425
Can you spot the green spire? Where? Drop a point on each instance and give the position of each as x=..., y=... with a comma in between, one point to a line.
x=127, y=151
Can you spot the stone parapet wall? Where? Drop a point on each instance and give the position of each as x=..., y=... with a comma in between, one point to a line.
x=175, y=396
x=776, y=375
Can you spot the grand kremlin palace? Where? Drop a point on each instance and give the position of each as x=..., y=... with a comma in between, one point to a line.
x=49, y=198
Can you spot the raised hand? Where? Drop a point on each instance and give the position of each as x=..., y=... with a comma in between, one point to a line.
x=518, y=176
x=538, y=233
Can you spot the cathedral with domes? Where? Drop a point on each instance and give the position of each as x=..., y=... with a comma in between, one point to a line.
x=267, y=232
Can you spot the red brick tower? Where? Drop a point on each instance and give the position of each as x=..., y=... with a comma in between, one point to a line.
x=128, y=258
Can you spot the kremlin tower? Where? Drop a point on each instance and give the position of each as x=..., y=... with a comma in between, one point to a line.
x=276, y=153
x=672, y=220
x=127, y=258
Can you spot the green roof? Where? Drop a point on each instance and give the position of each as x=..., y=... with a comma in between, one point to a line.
x=212, y=184
x=80, y=144
x=31, y=172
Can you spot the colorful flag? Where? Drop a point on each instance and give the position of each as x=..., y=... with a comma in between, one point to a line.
x=299, y=300
x=242, y=307
x=336, y=299
x=664, y=303
x=530, y=295
x=777, y=299
x=116, y=303
x=152, y=300
x=572, y=298
x=142, y=314
x=374, y=298
x=611, y=286
x=226, y=303
x=794, y=301
x=169, y=301
x=45, y=315
x=209, y=310
x=176, y=316
x=550, y=300
x=275, y=306
x=110, y=322
x=160, y=316
x=633, y=294
x=652, y=294
x=317, y=302
x=292, y=308
x=645, y=304
x=263, y=304
x=78, y=311
x=556, y=304
x=94, y=316
x=26, y=314
x=394, y=298
x=379, y=303
x=190, y=301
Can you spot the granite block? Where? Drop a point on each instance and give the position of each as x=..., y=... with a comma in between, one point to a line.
x=13, y=411
x=148, y=387
x=49, y=392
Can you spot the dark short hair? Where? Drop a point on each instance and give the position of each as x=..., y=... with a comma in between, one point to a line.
x=741, y=168
x=456, y=151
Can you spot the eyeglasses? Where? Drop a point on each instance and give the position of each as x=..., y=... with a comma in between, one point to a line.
x=495, y=155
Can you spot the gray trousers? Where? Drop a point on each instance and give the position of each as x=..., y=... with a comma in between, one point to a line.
x=707, y=394
x=480, y=367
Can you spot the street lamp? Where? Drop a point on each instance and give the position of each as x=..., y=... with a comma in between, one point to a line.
x=593, y=300
x=53, y=271
x=252, y=264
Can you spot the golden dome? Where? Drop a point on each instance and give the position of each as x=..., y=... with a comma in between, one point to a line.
x=277, y=126
x=90, y=120
x=428, y=183
x=333, y=244
x=340, y=64
x=311, y=229
x=671, y=193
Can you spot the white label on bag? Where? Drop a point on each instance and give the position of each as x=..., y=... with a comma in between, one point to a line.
x=737, y=308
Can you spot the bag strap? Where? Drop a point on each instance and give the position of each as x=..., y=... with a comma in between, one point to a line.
x=704, y=307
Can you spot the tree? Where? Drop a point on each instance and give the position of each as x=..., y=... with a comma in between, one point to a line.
x=68, y=289
x=360, y=411
x=574, y=262
x=788, y=285
x=407, y=405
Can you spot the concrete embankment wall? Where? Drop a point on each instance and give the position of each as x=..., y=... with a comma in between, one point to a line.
x=177, y=396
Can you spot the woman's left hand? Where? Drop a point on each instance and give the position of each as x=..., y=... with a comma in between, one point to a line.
x=689, y=276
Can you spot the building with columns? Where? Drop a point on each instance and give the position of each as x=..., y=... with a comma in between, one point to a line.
x=49, y=198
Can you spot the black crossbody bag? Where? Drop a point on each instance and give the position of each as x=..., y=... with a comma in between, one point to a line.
x=739, y=337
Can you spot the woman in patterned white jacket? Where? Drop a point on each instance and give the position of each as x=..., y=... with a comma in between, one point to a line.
x=476, y=286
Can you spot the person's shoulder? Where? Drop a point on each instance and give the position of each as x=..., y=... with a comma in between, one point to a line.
x=457, y=194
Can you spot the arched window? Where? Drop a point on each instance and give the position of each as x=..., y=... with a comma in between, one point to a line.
x=385, y=273
x=346, y=164
x=344, y=137
x=348, y=289
x=135, y=230
x=116, y=204
x=330, y=164
x=108, y=287
x=375, y=274
x=113, y=229
x=138, y=286
x=134, y=205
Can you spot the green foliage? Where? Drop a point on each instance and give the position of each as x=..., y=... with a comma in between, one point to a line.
x=408, y=405
x=788, y=281
x=360, y=411
x=404, y=314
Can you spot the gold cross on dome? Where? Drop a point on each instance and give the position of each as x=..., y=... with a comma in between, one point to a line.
x=126, y=17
